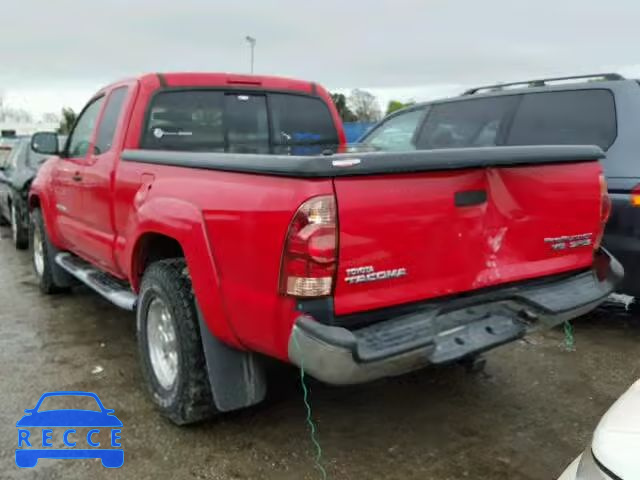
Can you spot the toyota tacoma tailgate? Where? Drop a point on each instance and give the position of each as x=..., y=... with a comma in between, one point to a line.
x=411, y=237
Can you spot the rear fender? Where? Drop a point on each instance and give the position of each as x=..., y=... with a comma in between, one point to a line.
x=183, y=222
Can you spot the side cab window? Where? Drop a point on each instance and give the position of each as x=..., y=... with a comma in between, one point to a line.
x=109, y=120
x=82, y=135
x=397, y=133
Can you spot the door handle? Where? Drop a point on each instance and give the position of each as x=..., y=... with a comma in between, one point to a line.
x=77, y=177
x=469, y=198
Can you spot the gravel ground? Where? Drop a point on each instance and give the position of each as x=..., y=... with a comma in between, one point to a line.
x=527, y=417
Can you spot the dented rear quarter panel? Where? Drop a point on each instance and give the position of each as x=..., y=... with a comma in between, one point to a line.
x=232, y=228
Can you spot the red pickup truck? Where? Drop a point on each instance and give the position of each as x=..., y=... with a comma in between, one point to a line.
x=223, y=209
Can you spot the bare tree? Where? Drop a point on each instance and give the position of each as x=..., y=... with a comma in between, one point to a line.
x=364, y=105
x=50, y=117
x=11, y=114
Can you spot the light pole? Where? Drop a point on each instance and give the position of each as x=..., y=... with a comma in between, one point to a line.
x=252, y=44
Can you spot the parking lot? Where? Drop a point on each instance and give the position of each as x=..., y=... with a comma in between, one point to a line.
x=527, y=418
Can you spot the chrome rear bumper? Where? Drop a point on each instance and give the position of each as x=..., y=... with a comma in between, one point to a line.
x=445, y=331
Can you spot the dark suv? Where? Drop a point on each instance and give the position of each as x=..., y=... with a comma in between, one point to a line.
x=17, y=171
x=601, y=109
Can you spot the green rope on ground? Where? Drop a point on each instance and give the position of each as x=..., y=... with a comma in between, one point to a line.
x=569, y=340
x=312, y=426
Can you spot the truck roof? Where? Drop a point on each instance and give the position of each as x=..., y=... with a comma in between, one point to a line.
x=222, y=79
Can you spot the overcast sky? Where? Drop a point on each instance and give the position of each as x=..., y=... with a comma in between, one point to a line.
x=57, y=53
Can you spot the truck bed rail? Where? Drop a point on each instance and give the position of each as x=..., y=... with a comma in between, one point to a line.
x=368, y=163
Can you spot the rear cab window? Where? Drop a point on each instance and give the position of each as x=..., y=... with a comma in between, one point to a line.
x=186, y=120
x=238, y=122
x=574, y=117
x=246, y=123
x=298, y=120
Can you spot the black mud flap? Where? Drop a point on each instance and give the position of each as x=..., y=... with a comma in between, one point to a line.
x=236, y=377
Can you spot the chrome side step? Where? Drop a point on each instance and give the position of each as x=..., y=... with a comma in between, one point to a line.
x=114, y=290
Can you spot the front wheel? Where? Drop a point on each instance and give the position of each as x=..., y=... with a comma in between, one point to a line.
x=169, y=344
x=51, y=277
x=19, y=233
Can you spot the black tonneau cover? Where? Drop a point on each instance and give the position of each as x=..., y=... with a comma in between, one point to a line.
x=368, y=163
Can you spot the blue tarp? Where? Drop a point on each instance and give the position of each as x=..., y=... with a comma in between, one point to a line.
x=354, y=130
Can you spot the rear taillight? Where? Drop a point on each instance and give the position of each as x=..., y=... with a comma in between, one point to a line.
x=635, y=196
x=605, y=209
x=310, y=250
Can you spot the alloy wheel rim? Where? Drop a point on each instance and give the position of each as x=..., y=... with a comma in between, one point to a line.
x=38, y=252
x=14, y=223
x=162, y=343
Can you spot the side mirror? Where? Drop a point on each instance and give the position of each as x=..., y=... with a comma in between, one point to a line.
x=45, y=143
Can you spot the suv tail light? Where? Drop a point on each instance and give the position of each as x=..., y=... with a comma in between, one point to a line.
x=635, y=196
x=605, y=209
x=309, y=259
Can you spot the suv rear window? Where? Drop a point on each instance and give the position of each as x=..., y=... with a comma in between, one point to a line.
x=239, y=122
x=578, y=117
x=467, y=123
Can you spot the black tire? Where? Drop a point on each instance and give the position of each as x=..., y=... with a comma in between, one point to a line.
x=51, y=277
x=189, y=398
x=19, y=234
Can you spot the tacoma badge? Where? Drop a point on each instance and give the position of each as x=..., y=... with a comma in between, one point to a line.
x=569, y=241
x=368, y=274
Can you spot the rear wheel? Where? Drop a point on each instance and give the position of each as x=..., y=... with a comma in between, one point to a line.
x=48, y=272
x=170, y=346
x=19, y=234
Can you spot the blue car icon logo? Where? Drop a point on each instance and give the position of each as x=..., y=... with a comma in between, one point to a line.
x=36, y=428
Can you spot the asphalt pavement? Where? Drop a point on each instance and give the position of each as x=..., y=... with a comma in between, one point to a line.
x=526, y=417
